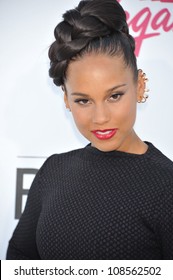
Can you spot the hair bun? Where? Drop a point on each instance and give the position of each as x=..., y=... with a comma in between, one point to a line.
x=109, y=12
x=91, y=19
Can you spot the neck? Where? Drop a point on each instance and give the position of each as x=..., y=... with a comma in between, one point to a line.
x=134, y=145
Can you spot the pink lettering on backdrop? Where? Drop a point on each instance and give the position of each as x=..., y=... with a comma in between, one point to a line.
x=145, y=19
x=165, y=1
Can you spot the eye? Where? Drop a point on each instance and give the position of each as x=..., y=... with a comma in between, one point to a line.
x=116, y=96
x=82, y=101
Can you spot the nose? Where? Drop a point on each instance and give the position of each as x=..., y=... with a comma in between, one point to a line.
x=101, y=114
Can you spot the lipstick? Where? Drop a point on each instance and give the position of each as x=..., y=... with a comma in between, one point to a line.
x=105, y=134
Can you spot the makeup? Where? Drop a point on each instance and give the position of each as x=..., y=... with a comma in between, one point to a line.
x=105, y=134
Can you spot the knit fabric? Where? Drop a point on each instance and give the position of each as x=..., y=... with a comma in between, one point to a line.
x=88, y=204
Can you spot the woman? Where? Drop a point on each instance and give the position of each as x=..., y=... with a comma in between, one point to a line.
x=112, y=199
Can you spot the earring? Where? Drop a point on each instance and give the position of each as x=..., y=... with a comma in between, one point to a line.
x=145, y=96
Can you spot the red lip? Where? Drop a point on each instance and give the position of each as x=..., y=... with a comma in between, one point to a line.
x=105, y=134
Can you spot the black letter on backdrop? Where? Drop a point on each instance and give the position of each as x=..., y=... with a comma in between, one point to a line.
x=20, y=191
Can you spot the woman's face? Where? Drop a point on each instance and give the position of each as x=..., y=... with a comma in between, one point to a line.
x=102, y=95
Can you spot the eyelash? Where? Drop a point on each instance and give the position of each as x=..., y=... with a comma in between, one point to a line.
x=83, y=101
x=117, y=95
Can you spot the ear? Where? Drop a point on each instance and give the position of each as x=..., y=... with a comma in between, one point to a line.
x=66, y=101
x=141, y=86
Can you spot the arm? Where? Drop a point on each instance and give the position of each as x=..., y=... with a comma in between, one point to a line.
x=166, y=225
x=23, y=242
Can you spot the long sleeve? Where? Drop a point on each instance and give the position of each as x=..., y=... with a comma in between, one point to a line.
x=166, y=224
x=89, y=204
x=23, y=242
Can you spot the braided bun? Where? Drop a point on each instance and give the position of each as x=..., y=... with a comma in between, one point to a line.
x=95, y=25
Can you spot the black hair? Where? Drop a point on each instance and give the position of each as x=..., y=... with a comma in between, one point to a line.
x=97, y=26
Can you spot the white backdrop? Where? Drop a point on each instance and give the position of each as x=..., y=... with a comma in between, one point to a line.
x=33, y=121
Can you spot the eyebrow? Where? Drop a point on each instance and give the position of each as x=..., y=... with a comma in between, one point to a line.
x=108, y=91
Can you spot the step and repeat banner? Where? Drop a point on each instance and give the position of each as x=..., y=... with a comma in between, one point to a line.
x=33, y=120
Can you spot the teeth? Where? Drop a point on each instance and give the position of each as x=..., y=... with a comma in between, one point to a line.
x=104, y=133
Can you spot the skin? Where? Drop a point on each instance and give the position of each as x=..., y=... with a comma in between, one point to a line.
x=101, y=93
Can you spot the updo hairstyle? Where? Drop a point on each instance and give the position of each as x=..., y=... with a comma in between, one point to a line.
x=95, y=26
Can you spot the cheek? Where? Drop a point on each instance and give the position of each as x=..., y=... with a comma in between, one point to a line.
x=80, y=117
x=126, y=114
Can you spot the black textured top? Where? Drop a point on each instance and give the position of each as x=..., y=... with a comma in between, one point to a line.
x=88, y=204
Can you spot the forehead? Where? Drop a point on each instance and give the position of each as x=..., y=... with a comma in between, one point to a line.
x=97, y=70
